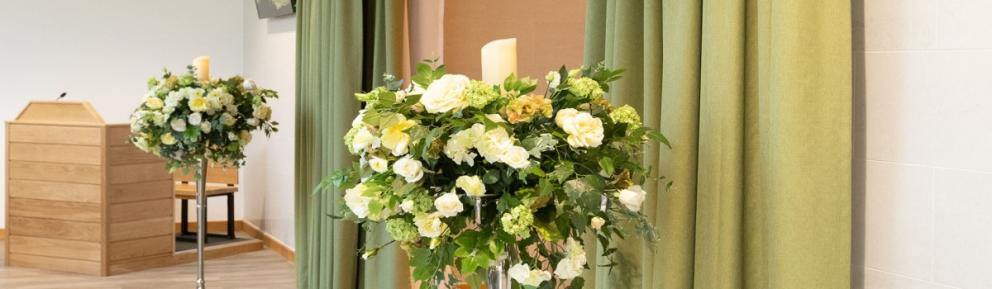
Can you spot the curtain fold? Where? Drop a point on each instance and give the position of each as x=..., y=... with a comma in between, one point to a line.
x=755, y=97
x=343, y=47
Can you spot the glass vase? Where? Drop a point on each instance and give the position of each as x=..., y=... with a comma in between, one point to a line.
x=499, y=276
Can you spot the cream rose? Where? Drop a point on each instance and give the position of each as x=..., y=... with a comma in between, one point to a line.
x=525, y=276
x=493, y=144
x=153, y=102
x=379, y=165
x=516, y=157
x=596, y=223
x=459, y=145
x=167, y=139
x=632, y=197
x=194, y=118
x=584, y=130
x=446, y=94
x=407, y=206
x=411, y=170
x=430, y=225
x=472, y=185
x=356, y=202
x=178, y=125
x=448, y=204
x=263, y=112
x=205, y=127
x=573, y=263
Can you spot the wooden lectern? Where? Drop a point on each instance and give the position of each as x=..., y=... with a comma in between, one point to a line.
x=80, y=198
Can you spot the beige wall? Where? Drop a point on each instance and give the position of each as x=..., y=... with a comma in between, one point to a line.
x=549, y=33
x=926, y=129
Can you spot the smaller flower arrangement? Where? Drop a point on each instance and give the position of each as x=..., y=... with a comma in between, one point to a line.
x=466, y=174
x=184, y=118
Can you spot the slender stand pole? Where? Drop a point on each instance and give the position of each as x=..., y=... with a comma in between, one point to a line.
x=201, y=220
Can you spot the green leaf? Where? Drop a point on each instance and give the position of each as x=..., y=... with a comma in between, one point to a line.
x=563, y=171
x=606, y=164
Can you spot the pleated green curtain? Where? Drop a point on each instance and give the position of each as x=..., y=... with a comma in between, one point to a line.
x=343, y=47
x=755, y=97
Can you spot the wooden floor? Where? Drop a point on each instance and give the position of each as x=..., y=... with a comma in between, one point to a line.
x=259, y=269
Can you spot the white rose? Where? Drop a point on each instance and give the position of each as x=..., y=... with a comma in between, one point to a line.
x=429, y=226
x=205, y=127
x=459, y=145
x=516, y=157
x=472, y=185
x=448, y=204
x=194, y=118
x=363, y=139
x=410, y=169
x=446, y=94
x=584, y=130
x=573, y=263
x=632, y=197
x=597, y=223
x=406, y=206
x=178, y=125
x=378, y=164
x=525, y=276
x=356, y=202
x=358, y=119
x=493, y=144
x=252, y=121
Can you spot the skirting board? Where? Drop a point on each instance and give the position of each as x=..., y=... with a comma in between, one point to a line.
x=270, y=241
x=251, y=230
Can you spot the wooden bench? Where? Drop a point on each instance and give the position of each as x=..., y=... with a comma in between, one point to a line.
x=221, y=181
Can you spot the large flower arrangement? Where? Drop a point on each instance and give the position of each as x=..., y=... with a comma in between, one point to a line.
x=184, y=118
x=464, y=173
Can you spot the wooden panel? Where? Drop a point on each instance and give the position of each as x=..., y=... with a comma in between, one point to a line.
x=37, y=246
x=50, y=134
x=41, y=190
x=140, y=191
x=141, y=247
x=56, y=210
x=55, y=264
x=142, y=229
x=55, y=153
x=117, y=135
x=137, y=211
x=85, y=174
x=58, y=229
x=126, y=174
x=219, y=175
x=119, y=155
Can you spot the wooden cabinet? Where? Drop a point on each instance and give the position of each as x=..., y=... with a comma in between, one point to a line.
x=80, y=198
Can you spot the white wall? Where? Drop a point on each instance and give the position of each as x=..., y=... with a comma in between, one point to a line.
x=104, y=51
x=270, y=59
x=928, y=156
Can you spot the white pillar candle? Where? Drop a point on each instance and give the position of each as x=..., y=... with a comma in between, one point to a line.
x=499, y=60
x=202, y=65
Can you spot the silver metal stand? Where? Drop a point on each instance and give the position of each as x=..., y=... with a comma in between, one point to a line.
x=201, y=220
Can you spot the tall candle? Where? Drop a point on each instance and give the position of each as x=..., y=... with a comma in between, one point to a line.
x=202, y=65
x=499, y=60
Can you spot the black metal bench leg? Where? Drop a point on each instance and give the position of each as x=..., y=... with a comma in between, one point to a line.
x=184, y=220
x=230, y=216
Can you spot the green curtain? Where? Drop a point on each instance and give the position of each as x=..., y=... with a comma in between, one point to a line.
x=343, y=47
x=755, y=97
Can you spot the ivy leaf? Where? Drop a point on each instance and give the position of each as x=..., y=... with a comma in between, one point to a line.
x=563, y=171
x=606, y=164
x=535, y=145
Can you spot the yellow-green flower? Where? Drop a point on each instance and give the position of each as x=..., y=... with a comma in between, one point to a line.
x=626, y=114
x=586, y=87
x=198, y=103
x=394, y=138
x=480, y=94
x=518, y=221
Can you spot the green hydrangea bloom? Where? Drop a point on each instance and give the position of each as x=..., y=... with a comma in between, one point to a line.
x=349, y=138
x=586, y=87
x=518, y=221
x=401, y=230
x=626, y=114
x=480, y=94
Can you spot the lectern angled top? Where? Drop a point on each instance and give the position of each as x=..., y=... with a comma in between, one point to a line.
x=66, y=112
